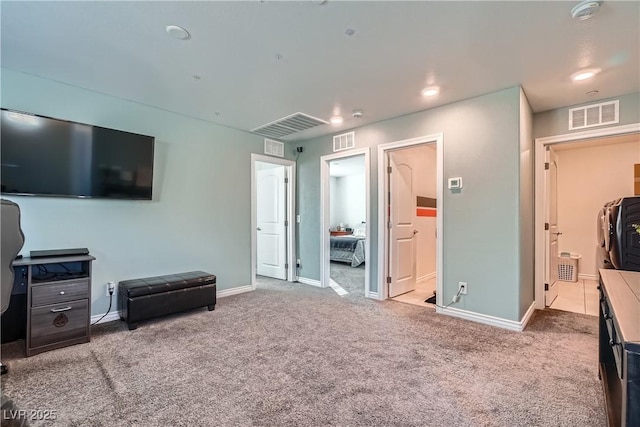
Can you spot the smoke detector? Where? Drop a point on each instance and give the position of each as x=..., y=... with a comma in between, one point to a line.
x=585, y=9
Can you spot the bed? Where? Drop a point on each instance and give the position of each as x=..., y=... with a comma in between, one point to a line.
x=349, y=249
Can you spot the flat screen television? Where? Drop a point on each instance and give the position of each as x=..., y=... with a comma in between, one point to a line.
x=43, y=156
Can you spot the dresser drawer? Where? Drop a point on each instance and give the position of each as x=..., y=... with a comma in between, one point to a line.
x=59, y=322
x=54, y=293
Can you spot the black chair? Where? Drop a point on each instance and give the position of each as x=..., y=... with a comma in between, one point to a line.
x=12, y=242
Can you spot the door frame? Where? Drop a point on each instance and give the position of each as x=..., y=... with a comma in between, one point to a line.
x=290, y=167
x=540, y=200
x=325, y=221
x=383, y=218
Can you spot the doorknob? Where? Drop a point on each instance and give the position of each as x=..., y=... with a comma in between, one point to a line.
x=259, y=229
x=415, y=231
x=557, y=234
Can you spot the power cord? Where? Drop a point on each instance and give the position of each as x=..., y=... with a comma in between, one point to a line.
x=456, y=299
x=108, y=309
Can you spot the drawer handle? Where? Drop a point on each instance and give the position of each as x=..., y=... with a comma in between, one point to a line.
x=58, y=310
x=61, y=292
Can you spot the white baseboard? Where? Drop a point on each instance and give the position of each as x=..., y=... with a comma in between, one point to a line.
x=114, y=315
x=426, y=277
x=587, y=276
x=311, y=282
x=373, y=295
x=512, y=325
x=234, y=291
x=527, y=316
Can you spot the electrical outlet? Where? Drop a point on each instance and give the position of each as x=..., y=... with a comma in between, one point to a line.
x=462, y=288
x=298, y=263
x=298, y=219
x=111, y=287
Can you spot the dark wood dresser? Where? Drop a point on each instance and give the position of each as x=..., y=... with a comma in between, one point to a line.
x=58, y=301
x=619, y=346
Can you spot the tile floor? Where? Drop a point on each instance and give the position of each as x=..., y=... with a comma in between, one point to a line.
x=578, y=297
x=424, y=289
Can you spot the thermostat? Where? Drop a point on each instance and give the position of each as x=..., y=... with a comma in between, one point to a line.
x=455, y=183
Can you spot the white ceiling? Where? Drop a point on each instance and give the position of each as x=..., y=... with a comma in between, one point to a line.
x=260, y=61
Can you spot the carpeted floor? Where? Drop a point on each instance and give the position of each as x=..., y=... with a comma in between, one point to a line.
x=291, y=354
x=350, y=278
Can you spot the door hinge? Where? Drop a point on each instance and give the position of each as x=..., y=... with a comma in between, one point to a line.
x=388, y=279
x=286, y=222
x=389, y=169
x=286, y=180
x=286, y=266
x=546, y=226
x=546, y=286
x=389, y=225
x=546, y=166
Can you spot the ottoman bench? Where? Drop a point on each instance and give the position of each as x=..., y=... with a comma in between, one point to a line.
x=147, y=298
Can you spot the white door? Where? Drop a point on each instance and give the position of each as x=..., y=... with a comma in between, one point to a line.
x=271, y=251
x=551, y=233
x=402, y=243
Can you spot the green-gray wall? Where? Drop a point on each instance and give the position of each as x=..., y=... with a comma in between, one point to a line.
x=527, y=208
x=556, y=122
x=199, y=218
x=482, y=237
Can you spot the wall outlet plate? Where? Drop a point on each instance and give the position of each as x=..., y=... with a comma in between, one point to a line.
x=110, y=286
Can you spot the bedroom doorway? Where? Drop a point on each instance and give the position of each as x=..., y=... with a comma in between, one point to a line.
x=272, y=210
x=409, y=195
x=345, y=219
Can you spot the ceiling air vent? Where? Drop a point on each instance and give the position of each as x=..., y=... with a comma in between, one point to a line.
x=288, y=125
x=273, y=148
x=605, y=113
x=344, y=141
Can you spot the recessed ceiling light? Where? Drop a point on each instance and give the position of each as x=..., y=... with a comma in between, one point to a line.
x=585, y=9
x=357, y=113
x=336, y=120
x=196, y=77
x=593, y=92
x=430, y=91
x=584, y=74
x=178, y=32
x=350, y=31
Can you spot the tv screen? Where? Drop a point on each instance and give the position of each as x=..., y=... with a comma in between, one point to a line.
x=49, y=157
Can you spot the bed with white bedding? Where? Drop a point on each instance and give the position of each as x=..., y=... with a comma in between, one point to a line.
x=349, y=249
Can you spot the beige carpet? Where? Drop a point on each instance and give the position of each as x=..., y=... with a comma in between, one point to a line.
x=290, y=354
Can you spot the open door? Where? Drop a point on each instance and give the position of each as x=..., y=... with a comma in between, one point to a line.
x=551, y=228
x=271, y=251
x=402, y=244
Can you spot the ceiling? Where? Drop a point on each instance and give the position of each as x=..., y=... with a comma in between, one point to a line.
x=258, y=61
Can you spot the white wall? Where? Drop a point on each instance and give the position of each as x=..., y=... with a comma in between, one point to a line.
x=334, y=189
x=587, y=178
x=199, y=218
x=351, y=200
x=347, y=198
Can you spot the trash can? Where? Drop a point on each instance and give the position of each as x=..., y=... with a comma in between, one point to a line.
x=568, y=267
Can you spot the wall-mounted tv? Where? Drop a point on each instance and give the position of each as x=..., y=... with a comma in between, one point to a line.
x=42, y=156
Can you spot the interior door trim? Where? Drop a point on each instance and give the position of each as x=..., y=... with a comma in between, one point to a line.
x=383, y=231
